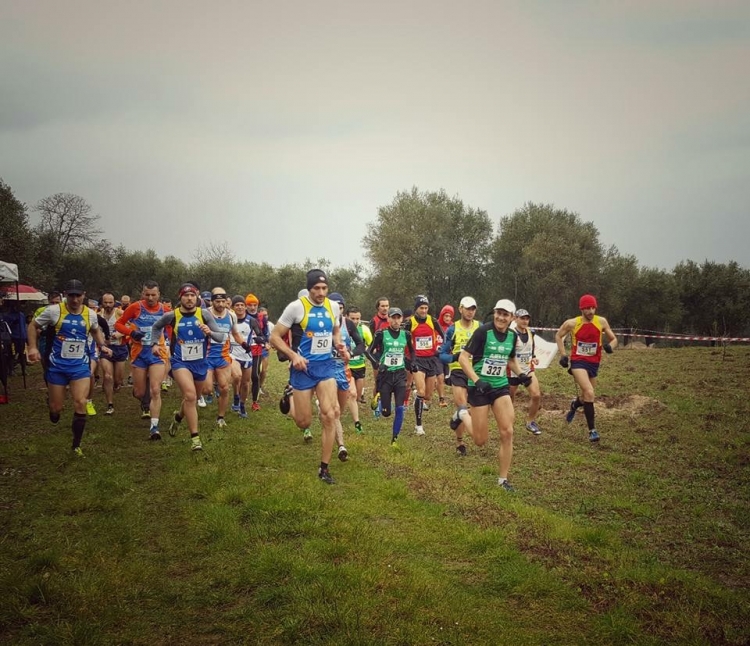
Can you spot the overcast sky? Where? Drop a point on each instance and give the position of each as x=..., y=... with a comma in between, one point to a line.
x=280, y=127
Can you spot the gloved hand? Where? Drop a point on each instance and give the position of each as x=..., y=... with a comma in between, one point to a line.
x=137, y=335
x=483, y=387
x=564, y=361
x=524, y=380
x=246, y=346
x=607, y=348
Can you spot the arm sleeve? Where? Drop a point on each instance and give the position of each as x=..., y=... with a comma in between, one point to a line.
x=48, y=316
x=359, y=344
x=375, y=350
x=164, y=321
x=293, y=313
x=131, y=312
x=446, y=349
x=103, y=325
x=475, y=346
x=217, y=334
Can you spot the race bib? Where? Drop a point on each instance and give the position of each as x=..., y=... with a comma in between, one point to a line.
x=524, y=358
x=192, y=350
x=424, y=343
x=73, y=349
x=493, y=367
x=321, y=344
x=586, y=349
x=394, y=359
x=146, y=340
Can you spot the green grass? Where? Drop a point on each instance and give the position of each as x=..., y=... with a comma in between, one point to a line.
x=642, y=539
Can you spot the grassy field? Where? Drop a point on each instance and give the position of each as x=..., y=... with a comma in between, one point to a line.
x=642, y=539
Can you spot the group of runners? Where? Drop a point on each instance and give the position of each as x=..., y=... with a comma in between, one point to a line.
x=209, y=341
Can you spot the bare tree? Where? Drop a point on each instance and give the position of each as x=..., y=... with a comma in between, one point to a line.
x=214, y=252
x=69, y=221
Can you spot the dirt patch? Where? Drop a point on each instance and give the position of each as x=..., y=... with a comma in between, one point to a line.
x=605, y=404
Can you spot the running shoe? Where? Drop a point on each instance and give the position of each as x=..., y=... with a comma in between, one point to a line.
x=593, y=435
x=110, y=409
x=571, y=413
x=145, y=413
x=209, y=399
x=419, y=429
x=164, y=386
x=221, y=422
x=153, y=433
x=343, y=453
x=54, y=418
x=358, y=427
x=533, y=427
x=362, y=399
x=90, y=409
x=425, y=406
x=307, y=435
x=284, y=404
x=325, y=476
x=243, y=411
x=505, y=485
x=375, y=403
x=255, y=407
x=461, y=449
x=442, y=403
x=77, y=452
x=174, y=424
x=201, y=402
x=235, y=408
x=195, y=443
x=455, y=422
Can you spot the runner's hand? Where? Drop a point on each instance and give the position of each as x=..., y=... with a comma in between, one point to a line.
x=564, y=361
x=607, y=348
x=137, y=335
x=483, y=387
x=525, y=380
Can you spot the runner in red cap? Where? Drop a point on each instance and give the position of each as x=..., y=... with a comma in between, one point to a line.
x=587, y=333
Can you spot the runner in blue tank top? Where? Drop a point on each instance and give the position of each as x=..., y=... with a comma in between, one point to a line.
x=69, y=362
x=313, y=369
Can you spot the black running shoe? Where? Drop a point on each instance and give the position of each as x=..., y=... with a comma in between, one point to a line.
x=325, y=476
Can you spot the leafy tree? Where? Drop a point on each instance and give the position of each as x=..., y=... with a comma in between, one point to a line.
x=133, y=268
x=654, y=303
x=17, y=238
x=619, y=280
x=428, y=243
x=544, y=259
x=715, y=297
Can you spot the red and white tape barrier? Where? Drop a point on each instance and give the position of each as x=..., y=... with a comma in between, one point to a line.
x=673, y=337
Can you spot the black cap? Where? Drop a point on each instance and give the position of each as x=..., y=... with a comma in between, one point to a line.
x=315, y=276
x=74, y=287
x=421, y=300
x=237, y=299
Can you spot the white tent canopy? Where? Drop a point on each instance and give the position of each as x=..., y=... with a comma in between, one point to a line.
x=8, y=272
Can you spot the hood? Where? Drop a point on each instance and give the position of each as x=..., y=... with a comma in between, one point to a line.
x=446, y=308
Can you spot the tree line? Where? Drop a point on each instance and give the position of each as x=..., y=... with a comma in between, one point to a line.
x=423, y=242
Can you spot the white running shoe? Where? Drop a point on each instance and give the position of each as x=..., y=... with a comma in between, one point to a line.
x=419, y=430
x=201, y=402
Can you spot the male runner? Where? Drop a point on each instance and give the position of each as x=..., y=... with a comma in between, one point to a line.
x=587, y=333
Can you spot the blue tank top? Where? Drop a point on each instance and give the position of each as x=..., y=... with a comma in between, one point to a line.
x=317, y=331
x=69, y=348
